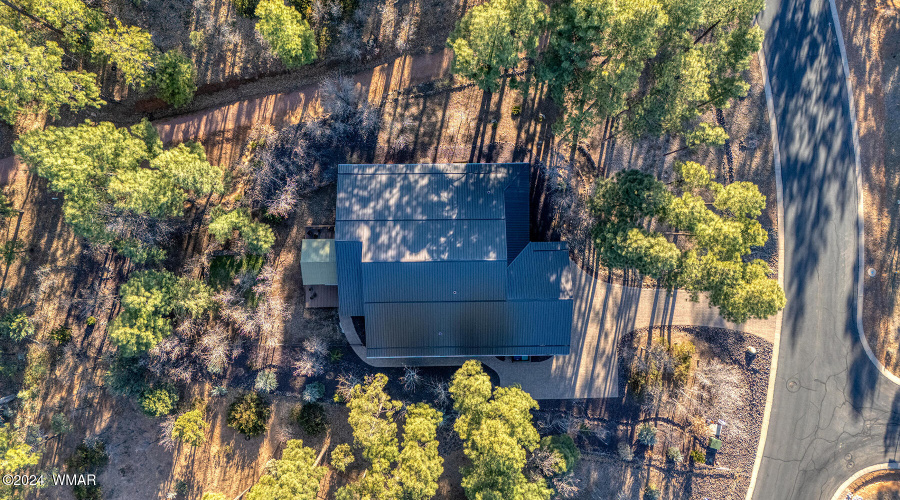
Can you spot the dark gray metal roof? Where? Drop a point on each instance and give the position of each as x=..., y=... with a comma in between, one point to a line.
x=541, y=271
x=437, y=259
x=426, y=240
x=468, y=328
x=420, y=196
x=349, y=269
x=517, y=204
x=434, y=281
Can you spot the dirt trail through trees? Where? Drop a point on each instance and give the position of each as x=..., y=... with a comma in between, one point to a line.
x=227, y=121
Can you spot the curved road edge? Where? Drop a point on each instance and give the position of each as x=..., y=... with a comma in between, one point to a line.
x=779, y=202
x=859, y=474
x=860, y=252
x=854, y=135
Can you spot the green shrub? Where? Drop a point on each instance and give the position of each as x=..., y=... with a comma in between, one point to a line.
x=698, y=457
x=174, y=78
x=87, y=492
x=341, y=457
x=214, y=496
x=223, y=268
x=647, y=435
x=91, y=321
x=563, y=446
x=626, y=453
x=266, y=381
x=11, y=250
x=198, y=40
x=313, y=392
x=126, y=377
x=59, y=424
x=190, y=428
x=61, y=334
x=311, y=417
x=249, y=414
x=258, y=236
x=674, y=454
x=335, y=355
x=89, y=456
x=651, y=492
x=683, y=356
x=16, y=325
x=287, y=33
x=158, y=401
x=246, y=8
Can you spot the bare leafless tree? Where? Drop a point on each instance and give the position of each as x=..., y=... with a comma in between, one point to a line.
x=346, y=382
x=315, y=345
x=165, y=433
x=411, y=378
x=440, y=391
x=308, y=365
x=542, y=463
x=718, y=393
x=566, y=486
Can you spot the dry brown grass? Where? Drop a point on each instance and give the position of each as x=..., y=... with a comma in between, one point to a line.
x=871, y=31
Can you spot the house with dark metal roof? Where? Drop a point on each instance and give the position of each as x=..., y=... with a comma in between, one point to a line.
x=435, y=260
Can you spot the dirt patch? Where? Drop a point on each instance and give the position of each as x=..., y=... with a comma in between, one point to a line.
x=871, y=30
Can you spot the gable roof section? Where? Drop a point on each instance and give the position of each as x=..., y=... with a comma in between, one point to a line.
x=540, y=272
x=517, y=202
x=349, y=270
x=426, y=240
x=434, y=281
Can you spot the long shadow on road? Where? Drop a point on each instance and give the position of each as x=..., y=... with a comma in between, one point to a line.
x=832, y=412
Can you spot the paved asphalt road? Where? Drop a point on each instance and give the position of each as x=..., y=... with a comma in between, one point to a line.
x=832, y=413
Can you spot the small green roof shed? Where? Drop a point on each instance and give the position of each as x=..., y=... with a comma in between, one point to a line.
x=318, y=262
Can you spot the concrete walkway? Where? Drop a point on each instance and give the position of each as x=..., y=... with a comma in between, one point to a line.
x=603, y=313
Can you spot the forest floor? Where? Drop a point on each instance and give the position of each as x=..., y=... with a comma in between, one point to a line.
x=871, y=30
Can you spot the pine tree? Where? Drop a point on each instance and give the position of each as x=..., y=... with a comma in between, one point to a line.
x=420, y=465
x=15, y=457
x=597, y=52
x=34, y=81
x=174, y=77
x=190, y=428
x=411, y=473
x=103, y=171
x=285, y=30
x=713, y=261
x=651, y=66
x=295, y=476
x=498, y=434
x=149, y=298
x=129, y=48
x=493, y=36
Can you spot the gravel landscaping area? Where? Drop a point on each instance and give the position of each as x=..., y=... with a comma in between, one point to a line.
x=602, y=426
